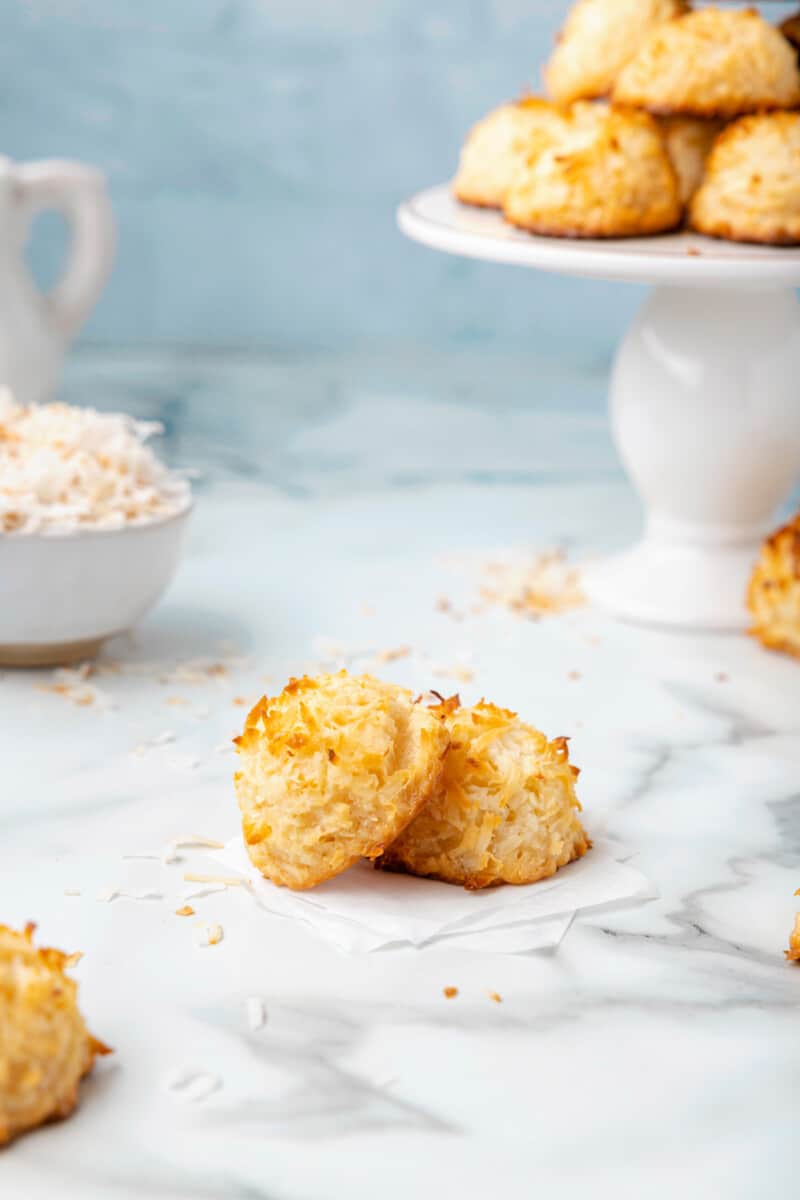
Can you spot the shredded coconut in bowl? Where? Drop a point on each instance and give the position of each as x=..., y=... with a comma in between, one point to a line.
x=64, y=470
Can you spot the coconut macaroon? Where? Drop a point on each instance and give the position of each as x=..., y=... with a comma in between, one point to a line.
x=505, y=811
x=712, y=63
x=608, y=175
x=45, y=1048
x=751, y=188
x=689, y=141
x=773, y=596
x=332, y=770
x=598, y=39
x=790, y=28
x=497, y=144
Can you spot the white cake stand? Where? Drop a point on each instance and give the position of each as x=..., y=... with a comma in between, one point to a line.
x=704, y=394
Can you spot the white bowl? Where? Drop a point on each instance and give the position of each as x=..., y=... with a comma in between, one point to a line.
x=61, y=596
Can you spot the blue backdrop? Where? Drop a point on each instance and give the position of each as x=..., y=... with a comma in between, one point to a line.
x=256, y=150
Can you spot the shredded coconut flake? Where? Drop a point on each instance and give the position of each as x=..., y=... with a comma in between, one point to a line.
x=458, y=671
x=73, y=684
x=64, y=469
x=161, y=739
x=255, y=1012
x=193, y=1085
x=222, y=880
x=545, y=584
x=108, y=894
x=189, y=841
x=393, y=653
x=329, y=650
x=200, y=670
x=201, y=893
x=207, y=935
x=183, y=762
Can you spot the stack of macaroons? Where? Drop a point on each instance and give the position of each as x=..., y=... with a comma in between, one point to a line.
x=341, y=767
x=657, y=115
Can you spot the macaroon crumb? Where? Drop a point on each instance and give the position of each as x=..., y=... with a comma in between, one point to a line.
x=392, y=654
x=496, y=997
x=185, y=911
x=450, y=992
x=207, y=935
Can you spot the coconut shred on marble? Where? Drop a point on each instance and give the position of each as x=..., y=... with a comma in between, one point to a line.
x=65, y=469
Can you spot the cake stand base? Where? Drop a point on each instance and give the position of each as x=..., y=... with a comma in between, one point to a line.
x=705, y=400
x=705, y=412
x=657, y=583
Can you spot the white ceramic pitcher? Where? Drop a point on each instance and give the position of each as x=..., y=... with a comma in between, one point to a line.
x=36, y=327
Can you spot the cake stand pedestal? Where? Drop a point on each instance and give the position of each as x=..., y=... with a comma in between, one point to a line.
x=704, y=399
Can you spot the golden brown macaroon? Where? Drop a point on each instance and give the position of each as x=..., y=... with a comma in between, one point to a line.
x=689, y=141
x=712, y=63
x=773, y=596
x=497, y=144
x=751, y=188
x=505, y=811
x=332, y=770
x=608, y=175
x=790, y=28
x=45, y=1048
x=598, y=39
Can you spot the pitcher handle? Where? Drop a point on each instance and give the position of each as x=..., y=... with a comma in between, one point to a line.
x=79, y=193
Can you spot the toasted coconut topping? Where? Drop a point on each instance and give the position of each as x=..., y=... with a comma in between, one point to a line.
x=64, y=469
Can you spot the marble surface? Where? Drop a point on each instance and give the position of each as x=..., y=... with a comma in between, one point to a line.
x=655, y=1051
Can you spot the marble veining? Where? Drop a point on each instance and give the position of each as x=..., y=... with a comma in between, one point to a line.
x=654, y=1052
